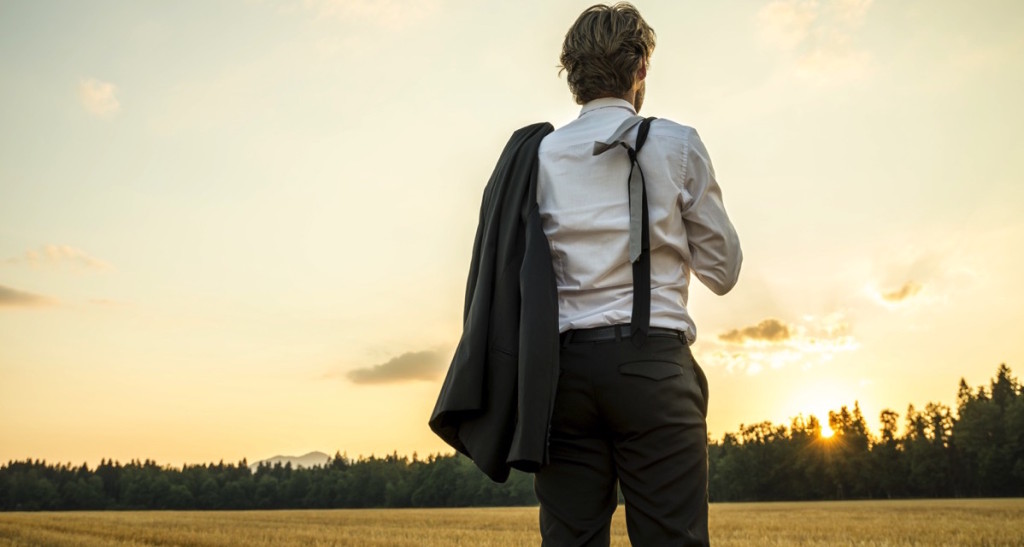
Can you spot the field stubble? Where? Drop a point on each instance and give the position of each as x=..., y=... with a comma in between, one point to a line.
x=862, y=523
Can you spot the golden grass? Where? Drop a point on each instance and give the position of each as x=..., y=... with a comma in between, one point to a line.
x=862, y=523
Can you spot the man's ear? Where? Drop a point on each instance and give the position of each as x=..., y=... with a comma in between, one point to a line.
x=642, y=72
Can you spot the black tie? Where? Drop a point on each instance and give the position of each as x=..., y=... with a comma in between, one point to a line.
x=639, y=229
x=640, y=321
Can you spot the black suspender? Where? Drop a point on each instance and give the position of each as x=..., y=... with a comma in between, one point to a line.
x=640, y=320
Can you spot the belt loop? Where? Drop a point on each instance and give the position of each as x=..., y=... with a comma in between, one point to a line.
x=618, y=333
x=567, y=338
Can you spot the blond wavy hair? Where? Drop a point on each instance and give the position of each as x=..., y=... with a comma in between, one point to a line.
x=604, y=49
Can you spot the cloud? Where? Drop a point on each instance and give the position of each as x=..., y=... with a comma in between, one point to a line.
x=390, y=14
x=59, y=256
x=769, y=330
x=912, y=279
x=14, y=298
x=416, y=365
x=773, y=344
x=820, y=34
x=98, y=97
x=787, y=24
x=908, y=290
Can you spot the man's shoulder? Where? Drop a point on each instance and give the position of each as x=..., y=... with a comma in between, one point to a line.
x=581, y=132
x=532, y=131
x=669, y=129
x=525, y=139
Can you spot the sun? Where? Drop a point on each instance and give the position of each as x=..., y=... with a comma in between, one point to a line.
x=826, y=432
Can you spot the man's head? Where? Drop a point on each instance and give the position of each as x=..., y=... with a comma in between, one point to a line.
x=605, y=53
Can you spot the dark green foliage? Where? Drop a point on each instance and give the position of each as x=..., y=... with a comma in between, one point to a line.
x=391, y=481
x=975, y=451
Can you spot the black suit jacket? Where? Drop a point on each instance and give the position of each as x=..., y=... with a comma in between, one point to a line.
x=496, y=401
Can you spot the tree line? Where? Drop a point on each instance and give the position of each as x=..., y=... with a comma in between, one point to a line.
x=390, y=481
x=976, y=450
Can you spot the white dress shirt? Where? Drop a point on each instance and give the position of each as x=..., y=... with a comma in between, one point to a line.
x=584, y=207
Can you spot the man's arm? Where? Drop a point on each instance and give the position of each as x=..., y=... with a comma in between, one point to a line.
x=714, y=245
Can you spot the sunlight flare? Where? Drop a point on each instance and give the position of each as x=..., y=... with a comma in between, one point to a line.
x=826, y=432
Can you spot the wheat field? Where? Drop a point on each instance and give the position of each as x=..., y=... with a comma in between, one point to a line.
x=862, y=523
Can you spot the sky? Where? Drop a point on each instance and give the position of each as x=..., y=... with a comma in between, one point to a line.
x=237, y=229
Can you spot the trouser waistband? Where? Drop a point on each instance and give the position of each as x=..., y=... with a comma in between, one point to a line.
x=615, y=332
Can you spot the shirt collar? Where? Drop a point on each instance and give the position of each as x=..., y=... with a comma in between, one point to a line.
x=606, y=102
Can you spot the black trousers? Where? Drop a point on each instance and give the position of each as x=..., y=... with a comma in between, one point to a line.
x=635, y=416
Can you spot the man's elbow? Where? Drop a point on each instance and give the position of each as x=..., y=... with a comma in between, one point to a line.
x=723, y=286
x=721, y=279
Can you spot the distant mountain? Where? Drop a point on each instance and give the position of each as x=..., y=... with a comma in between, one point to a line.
x=307, y=460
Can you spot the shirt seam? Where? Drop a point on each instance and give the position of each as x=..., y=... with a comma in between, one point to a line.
x=685, y=160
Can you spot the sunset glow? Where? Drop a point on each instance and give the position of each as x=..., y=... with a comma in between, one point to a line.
x=241, y=229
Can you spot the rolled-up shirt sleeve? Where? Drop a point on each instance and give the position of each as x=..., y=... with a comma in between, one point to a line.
x=714, y=246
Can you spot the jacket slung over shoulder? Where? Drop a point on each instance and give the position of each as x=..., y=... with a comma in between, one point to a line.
x=496, y=400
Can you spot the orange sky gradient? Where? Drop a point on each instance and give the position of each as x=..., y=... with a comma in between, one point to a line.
x=240, y=229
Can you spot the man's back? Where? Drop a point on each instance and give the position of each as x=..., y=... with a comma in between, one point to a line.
x=585, y=209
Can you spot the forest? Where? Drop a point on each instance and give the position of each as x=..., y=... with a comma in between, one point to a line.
x=974, y=450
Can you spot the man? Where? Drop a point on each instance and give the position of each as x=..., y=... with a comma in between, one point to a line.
x=574, y=360
x=631, y=402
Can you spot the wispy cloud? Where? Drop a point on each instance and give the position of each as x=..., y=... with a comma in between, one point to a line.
x=10, y=297
x=908, y=290
x=59, y=256
x=417, y=365
x=98, y=97
x=774, y=344
x=820, y=34
x=787, y=23
x=390, y=14
x=914, y=280
x=769, y=330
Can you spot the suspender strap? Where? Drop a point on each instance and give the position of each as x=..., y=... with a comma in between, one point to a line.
x=639, y=226
x=640, y=320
